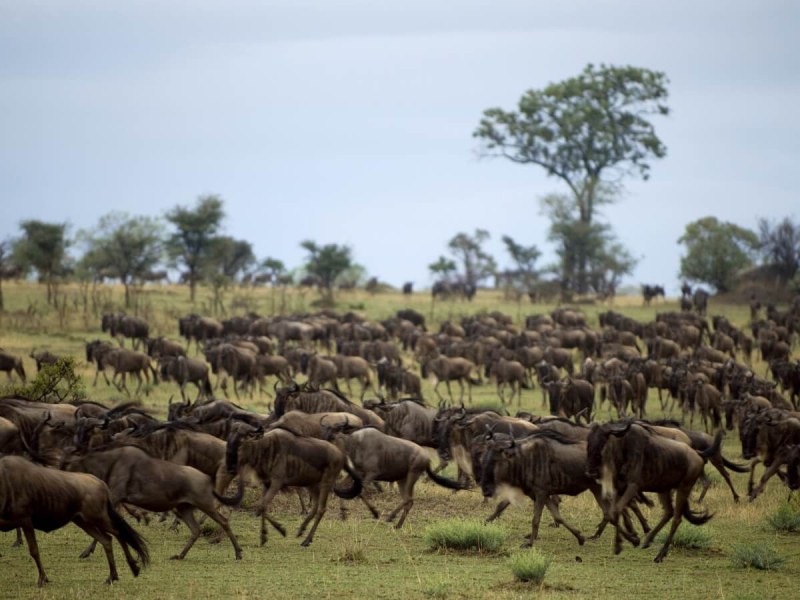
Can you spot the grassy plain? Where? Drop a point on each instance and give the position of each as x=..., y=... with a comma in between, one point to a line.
x=361, y=557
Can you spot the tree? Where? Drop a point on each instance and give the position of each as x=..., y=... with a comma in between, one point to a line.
x=326, y=263
x=524, y=275
x=468, y=250
x=589, y=131
x=274, y=268
x=5, y=253
x=43, y=247
x=123, y=247
x=779, y=244
x=716, y=251
x=442, y=267
x=194, y=231
x=224, y=259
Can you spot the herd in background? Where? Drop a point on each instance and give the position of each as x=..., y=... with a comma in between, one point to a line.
x=313, y=435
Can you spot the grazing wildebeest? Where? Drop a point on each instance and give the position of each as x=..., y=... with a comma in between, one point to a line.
x=43, y=357
x=628, y=459
x=310, y=400
x=135, y=478
x=282, y=459
x=10, y=362
x=34, y=497
x=700, y=301
x=376, y=456
x=448, y=369
x=408, y=288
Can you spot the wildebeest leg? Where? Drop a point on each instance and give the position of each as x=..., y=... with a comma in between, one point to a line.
x=719, y=465
x=89, y=550
x=706, y=483
x=33, y=549
x=776, y=464
x=681, y=501
x=669, y=512
x=450, y=392
x=553, y=508
x=407, y=493
x=303, y=509
x=105, y=540
x=538, y=504
x=186, y=514
x=319, y=495
x=223, y=522
x=500, y=393
x=18, y=542
x=498, y=511
x=753, y=465
x=269, y=494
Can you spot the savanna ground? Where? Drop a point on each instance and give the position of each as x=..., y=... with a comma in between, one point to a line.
x=361, y=557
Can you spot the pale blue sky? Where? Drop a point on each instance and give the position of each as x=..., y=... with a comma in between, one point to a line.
x=351, y=121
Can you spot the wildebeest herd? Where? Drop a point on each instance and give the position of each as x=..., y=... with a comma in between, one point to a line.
x=87, y=463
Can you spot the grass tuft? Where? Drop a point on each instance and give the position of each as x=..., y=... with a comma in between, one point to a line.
x=688, y=537
x=756, y=556
x=530, y=566
x=437, y=590
x=786, y=518
x=456, y=534
x=353, y=556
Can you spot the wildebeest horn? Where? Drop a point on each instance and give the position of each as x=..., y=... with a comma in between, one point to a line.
x=275, y=387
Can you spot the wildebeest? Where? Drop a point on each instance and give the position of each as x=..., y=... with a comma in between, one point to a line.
x=282, y=459
x=11, y=363
x=125, y=326
x=700, y=301
x=183, y=370
x=449, y=369
x=352, y=367
x=572, y=398
x=125, y=361
x=375, y=456
x=135, y=478
x=628, y=459
x=511, y=373
x=311, y=400
x=408, y=288
x=34, y=497
x=43, y=357
x=162, y=347
x=651, y=291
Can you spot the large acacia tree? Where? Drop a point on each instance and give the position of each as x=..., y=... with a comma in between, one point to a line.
x=326, y=263
x=195, y=230
x=589, y=131
x=43, y=247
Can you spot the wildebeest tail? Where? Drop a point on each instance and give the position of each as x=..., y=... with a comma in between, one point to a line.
x=695, y=518
x=354, y=490
x=233, y=500
x=445, y=482
x=734, y=467
x=713, y=448
x=128, y=535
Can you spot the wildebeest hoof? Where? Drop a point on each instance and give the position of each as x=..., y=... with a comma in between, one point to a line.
x=176, y=557
x=554, y=525
x=85, y=554
x=617, y=548
x=525, y=545
x=305, y=543
x=109, y=580
x=239, y=555
x=581, y=540
x=736, y=498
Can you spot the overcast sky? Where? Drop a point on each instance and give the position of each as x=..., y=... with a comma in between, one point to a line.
x=351, y=121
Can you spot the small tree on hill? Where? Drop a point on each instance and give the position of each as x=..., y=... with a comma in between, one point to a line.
x=43, y=247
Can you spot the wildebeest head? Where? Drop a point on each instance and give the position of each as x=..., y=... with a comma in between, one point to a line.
x=598, y=437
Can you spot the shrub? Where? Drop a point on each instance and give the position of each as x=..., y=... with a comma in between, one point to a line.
x=786, y=518
x=756, y=556
x=688, y=536
x=53, y=383
x=530, y=566
x=455, y=534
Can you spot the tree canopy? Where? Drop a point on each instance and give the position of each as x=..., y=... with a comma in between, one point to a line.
x=43, y=247
x=590, y=131
x=477, y=264
x=123, y=247
x=195, y=229
x=716, y=251
x=326, y=263
x=780, y=246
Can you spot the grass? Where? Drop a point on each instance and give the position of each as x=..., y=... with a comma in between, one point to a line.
x=530, y=566
x=398, y=563
x=785, y=519
x=688, y=537
x=464, y=536
x=757, y=556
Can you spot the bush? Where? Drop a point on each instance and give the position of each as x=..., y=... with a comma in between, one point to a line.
x=786, y=518
x=756, y=556
x=688, y=536
x=455, y=534
x=53, y=383
x=530, y=566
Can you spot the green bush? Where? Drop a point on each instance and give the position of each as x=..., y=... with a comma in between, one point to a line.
x=461, y=535
x=53, y=383
x=688, y=536
x=786, y=518
x=756, y=556
x=530, y=566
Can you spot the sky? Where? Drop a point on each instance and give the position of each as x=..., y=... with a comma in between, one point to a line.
x=350, y=121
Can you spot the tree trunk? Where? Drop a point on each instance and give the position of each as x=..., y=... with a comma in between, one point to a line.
x=127, y=293
x=192, y=285
x=2, y=303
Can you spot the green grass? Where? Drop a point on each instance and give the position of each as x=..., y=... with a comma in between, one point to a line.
x=687, y=536
x=756, y=556
x=464, y=536
x=530, y=566
x=396, y=563
x=785, y=519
